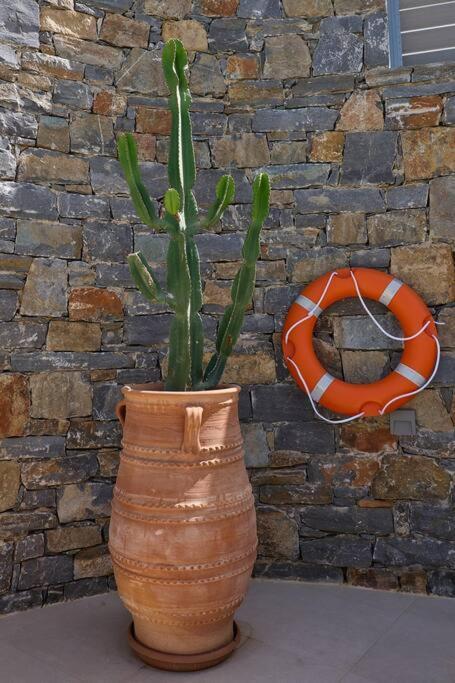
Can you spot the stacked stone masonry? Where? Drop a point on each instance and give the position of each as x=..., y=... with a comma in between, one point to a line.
x=362, y=164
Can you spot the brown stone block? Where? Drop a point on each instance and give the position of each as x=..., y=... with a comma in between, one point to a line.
x=248, y=150
x=286, y=56
x=277, y=534
x=255, y=93
x=94, y=305
x=60, y=395
x=146, y=146
x=219, y=8
x=327, y=147
x=362, y=111
x=190, y=32
x=72, y=537
x=383, y=579
x=428, y=268
x=92, y=562
x=369, y=436
x=52, y=167
x=428, y=152
x=53, y=66
x=123, y=32
x=108, y=103
x=346, y=228
x=88, y=52
x=10, y=479
x=73, y=336
x=243, y=66
x=415, y=112
x=308, y=8
x=54, y=133
x=167, y=9
x=14, y=404
x=410, y=477
x=68, y=23
x=156, y=121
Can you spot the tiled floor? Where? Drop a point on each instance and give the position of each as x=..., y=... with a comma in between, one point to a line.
x=294, y=633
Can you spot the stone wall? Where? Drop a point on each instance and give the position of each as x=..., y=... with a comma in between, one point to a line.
x=361, y=161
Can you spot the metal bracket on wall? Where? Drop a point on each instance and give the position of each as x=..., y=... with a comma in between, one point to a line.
x=403, y=422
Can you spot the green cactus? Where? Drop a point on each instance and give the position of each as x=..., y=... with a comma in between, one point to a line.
x=181, y=220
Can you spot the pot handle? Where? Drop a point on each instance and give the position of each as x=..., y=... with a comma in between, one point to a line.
x=193, y=422
x=120, y=411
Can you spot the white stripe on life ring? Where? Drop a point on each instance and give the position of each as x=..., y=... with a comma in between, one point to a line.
x=308, y=305
x=410, y=374
x=390, y=291
x=322, y=386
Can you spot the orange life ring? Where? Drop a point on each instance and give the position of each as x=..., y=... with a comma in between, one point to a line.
x=416, y=365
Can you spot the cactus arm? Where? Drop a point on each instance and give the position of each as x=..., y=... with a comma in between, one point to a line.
x=179, y=285
x=127, y=154
x=146, y=281
x=225, y=191
x=196, y=329
x=186, y=344
x=242, y=287
x=181, y=165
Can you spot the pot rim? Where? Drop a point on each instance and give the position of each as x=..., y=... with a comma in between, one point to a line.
x=151, y=388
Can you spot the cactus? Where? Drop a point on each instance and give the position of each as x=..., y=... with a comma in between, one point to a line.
x=183, y=294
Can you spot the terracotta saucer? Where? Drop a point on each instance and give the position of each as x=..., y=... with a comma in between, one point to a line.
x=171, y=662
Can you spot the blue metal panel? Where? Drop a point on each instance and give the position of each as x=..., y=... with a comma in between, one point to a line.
x=395, y=51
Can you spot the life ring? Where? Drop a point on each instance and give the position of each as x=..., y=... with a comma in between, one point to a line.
x=418, y=362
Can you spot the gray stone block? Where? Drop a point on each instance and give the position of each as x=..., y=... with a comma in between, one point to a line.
x=334, y=200
x=339, y=551
x=322, y=85
x=419, y=90
x=72, y=205
x=298, y=175
x=34, y=447
x=23, y=334
x=225, y=247
x=228, y=35
x=206, y=182
x=29, y=547
x=19, y=22
x=407, y=197
x=113, y=275
x=297, y=571
x=107, y=241
x=359, y=332
x=449, y=110
x=259, y=9
x=8, y=304
x=295, y=120
x=105, y=398
x=18, y=125
x=110, y=5
x=84, y=434
x=280, y=403
x=145, y=330
x=376, y=40
x=401, y=552
x=46, y=570
x=433, y=521
x=369, y=158
x=26, y=200
x=309, y=437
x=73, y=94
x=442, y=582
x=348, y=520
x=339, y=50
x=68, y=360
x=370, y=258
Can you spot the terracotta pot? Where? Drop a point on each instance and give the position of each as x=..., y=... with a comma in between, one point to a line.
x=183, y=527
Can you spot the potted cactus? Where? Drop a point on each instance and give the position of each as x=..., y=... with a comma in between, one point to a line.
x=183, y=533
